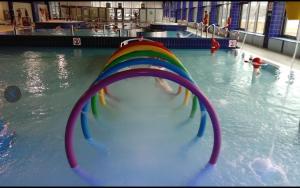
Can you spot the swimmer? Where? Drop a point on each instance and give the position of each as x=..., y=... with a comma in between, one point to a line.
x=256, y=62
x=6, y=137
x=58, y=28
x=215, y=45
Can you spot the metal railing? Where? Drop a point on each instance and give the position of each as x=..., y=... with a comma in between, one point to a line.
x=214, y=29
x=16, y=28
x=236, y=33
x=201, y=24
x=125, y=42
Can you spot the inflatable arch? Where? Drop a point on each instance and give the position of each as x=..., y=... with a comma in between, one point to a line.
x=147, y=53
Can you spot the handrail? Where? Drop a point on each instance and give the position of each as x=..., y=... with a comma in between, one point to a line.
x=214, y=26
x=125, y=42
x=72, y=30
x=237, y=32
x=200, y=24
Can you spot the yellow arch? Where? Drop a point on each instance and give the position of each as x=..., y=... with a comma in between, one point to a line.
x=141, y=48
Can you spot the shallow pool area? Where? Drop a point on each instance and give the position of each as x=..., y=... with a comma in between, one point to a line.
x=168, y=34
x=77, y=32
x=147, y=137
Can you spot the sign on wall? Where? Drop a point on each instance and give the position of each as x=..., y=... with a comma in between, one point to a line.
x=76, y=41
x=232, y=43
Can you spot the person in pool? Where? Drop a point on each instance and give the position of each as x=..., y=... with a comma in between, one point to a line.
x=215, y=45
x=6, y=137
x=256, y=62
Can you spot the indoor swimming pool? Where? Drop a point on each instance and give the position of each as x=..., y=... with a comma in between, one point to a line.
x=77, y=32
x=168, y=34
x=106, y=33
x=147, y=138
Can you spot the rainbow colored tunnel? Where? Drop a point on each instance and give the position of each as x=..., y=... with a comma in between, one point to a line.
x=160, y=63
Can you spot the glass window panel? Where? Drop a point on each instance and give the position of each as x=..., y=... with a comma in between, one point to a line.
x=224, y=14
x=291, y=27
x=127, y=4
x=262, y=17
x=186, y=14
x=252, y=16
x=244, y=16
x=195, y=14
x=228, y=10
x=220, y=13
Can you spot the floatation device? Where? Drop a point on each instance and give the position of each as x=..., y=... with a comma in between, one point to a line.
x=172, y=69
x=148, y=49
x=215, y=45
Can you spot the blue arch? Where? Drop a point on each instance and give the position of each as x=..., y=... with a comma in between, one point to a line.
x=133, y=62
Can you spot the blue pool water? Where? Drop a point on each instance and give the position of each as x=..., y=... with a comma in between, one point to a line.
x=77, y=32
x=147, y=136
x=110, y=33
x=168, y=34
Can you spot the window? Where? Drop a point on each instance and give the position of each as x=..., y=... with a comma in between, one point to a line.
x=54, y=9
x=261, y=17
x=219, y=15
x=95, y=4
x=291, y=27
x=253, y=16
x=195, y=14
x=244, y=16
x=186, y=14
x=223, y=13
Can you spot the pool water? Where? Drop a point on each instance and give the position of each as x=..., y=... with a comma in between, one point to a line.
x=107, y=32
x=147, y=137
x=168, y=34
x=77, y=32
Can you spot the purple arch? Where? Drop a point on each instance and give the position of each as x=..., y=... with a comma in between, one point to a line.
x=138, y=73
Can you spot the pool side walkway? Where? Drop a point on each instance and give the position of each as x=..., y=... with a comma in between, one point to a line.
x=266, y=54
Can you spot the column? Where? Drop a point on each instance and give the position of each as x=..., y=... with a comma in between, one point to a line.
x=178, y=13
x=274, y=20
x=277, y=17
x=200, y=11
x=235, y=12
x=11, y=11
x=191, y=10
x=213, y=13
x=183, y=16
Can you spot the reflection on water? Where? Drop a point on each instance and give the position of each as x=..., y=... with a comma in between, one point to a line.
x=146, y=140
x=33, y=64
x=63, y=73
x=6, y=141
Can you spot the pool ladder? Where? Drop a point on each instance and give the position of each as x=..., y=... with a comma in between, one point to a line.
x=237, y=33
x=201, y=24
x=214, y=29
